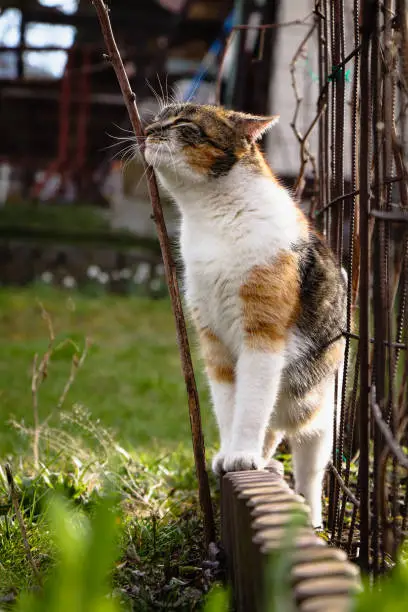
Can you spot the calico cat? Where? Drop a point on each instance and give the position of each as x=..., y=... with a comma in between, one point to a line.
x=262, y=287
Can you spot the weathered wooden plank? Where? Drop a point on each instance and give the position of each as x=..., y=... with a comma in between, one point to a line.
x=256, y=509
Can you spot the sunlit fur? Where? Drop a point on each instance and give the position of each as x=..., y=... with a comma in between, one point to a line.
x=263, y=289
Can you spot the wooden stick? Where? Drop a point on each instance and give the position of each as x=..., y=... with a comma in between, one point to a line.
x=170, y=270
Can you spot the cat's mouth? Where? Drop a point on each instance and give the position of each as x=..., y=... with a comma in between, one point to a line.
x=157, y=151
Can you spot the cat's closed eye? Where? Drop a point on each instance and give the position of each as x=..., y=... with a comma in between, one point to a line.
x=187, y=126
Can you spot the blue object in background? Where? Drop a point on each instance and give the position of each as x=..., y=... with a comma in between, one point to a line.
x=209, y=58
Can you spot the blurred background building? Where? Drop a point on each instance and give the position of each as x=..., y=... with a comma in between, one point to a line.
x=62, y=166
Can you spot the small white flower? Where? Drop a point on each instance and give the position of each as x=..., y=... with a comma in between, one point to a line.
x=155, y=284
x=126, y=273
x=69, y=282
x=142, y=273
x=103, y=278
x=93, y=271
x=47, y=277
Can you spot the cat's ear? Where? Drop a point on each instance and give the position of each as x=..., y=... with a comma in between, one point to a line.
x=253, y=127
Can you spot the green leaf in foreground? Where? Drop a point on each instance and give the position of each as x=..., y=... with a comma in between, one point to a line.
x=86, y=556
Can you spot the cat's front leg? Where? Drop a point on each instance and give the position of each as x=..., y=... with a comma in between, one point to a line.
x=222, y=393
x=257, y=384
x=221, y=376
x=269, y=305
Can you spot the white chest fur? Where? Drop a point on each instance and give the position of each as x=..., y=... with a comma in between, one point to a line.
x=225, y=234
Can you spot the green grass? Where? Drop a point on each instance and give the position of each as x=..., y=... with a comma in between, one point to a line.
x=131, y=380
x=52, y=216
x=123, y=426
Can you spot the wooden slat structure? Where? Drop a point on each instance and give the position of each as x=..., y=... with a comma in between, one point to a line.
x=256, y=511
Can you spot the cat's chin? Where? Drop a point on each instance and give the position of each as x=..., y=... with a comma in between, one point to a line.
x=157, y=155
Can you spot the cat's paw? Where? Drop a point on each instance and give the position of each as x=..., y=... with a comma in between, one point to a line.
x=242, y=461
x=218, y=463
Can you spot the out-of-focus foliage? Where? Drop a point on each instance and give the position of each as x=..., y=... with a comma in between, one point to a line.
x=87, y=550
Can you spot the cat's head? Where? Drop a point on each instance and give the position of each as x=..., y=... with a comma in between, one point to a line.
x=195, y=143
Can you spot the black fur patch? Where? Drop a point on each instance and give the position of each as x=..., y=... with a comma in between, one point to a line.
x=323, y=299
x=223, y=164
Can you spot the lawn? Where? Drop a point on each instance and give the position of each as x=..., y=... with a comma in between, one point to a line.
x=52, y=216
x=123, y=425
x=131, y=379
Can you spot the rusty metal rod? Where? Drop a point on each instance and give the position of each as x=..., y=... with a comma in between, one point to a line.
x=368, y=18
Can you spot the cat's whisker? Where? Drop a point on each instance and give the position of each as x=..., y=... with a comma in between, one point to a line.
x=173, y=161
x=123, y=153
x=122, y=128
x=173, y=96
x=167, y=90
x=115, y=144
x=148, y=167
x=122, y=138
x=161, y=90
x=150, y=112
x=158, y=150
x=156, y=95
x=117, y=155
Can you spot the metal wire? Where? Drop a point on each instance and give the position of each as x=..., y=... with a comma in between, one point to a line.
x=376, y=255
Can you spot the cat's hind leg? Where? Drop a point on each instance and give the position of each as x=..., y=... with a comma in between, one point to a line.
x=311, y=448
x=273, y=438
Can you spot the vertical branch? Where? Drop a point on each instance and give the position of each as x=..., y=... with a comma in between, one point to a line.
x=39, y=373
x=305, y=154
x=34, y=394
x=170, y=270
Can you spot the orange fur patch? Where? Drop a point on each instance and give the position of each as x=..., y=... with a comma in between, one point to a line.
x=271, y=304
x=217, y=358
x=334, y=354
x=202, y=157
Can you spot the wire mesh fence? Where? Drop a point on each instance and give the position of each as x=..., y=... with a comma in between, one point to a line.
x=366, y=228
x=354, y=152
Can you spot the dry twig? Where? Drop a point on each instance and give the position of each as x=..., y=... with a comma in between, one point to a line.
x=305, y=153
x=16, y=507
x=39, y=373
x=343, y=486
x=76, y=364
x=262, y=28
x=170, y=270
x=389, y=438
